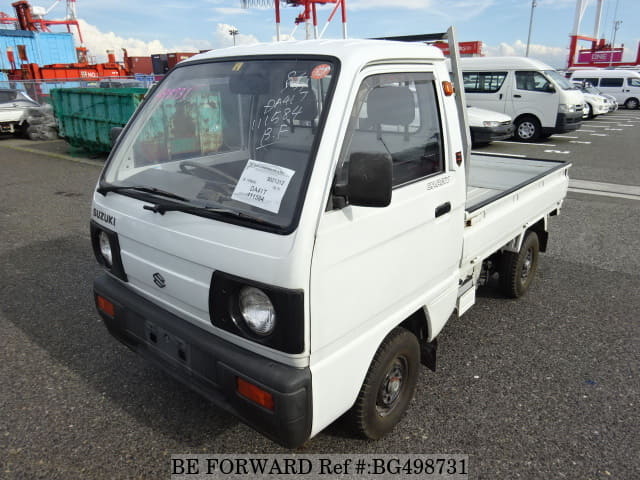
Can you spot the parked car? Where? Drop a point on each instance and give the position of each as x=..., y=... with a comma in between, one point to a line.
x=613, y=103
x=487, y=126
x=14, y=106
x=539, y=99
x=624, y=85
x=594, y=103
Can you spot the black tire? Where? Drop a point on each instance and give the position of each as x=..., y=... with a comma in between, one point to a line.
x=527, y=129
x=518, y=269
x=388, y=387
x=588, y=111
x=631, y=103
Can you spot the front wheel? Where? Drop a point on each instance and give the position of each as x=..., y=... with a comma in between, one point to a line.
x=388, y=387
x=588, y=111
x=518, y=269
x=527, y=129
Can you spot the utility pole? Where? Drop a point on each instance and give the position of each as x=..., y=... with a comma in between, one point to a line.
x=616, y=27
x=534, y=4
x=233, y=32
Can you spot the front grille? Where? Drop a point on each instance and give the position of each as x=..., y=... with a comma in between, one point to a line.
x=579, y=108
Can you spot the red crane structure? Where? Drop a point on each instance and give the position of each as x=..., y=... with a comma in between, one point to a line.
x=600, y=54
x=308, y=16
x=32, y=19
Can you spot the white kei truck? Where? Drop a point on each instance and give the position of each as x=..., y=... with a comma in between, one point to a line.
x=286, y=228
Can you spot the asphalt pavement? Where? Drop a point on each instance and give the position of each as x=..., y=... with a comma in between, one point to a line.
x=544, y=387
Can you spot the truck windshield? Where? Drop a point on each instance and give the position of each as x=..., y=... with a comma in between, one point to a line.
x=559, y=80
x=232, y=136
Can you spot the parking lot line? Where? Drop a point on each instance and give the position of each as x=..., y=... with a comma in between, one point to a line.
x=599, y=126
x=603, y=189
x=563, y=136
x=581, y=130
x=525, y=143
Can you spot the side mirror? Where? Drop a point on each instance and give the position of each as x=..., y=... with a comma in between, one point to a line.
x=114, y=133
x=369, y=180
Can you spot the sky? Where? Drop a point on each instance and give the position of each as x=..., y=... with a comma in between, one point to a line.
x=145, y=27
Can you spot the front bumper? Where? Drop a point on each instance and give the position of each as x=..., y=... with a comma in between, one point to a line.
x=211, y=366
x=565, y=122
x=490, y=134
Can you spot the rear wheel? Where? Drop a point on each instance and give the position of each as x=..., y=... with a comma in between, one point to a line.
x=631, y=103
x=527, y=128
x=388, y=387
x=518, y=269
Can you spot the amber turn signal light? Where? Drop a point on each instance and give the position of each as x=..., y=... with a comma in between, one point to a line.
x=255, y=394
x=448, y=88
x=106, y=306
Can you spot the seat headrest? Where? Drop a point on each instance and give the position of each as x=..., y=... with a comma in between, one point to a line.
x=391, y=106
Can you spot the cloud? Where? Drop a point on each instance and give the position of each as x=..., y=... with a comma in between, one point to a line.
x=554, y=56
x=98, y=42
x=221, y=37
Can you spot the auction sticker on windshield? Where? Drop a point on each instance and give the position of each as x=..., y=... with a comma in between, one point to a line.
x=262, y=185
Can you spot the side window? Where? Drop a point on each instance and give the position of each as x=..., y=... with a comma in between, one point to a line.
x=611, y=82
x=483, y=82
x=397, y=115
x=532, y=81
x=633, y=82
x=5, y=97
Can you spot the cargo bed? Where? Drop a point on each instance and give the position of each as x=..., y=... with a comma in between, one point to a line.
x=494, y=176
x=505, y=194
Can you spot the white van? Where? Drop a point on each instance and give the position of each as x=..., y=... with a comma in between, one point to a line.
x=540, y=100
x=622, y=84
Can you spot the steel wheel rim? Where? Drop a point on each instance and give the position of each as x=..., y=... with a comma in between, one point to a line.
x=526, y=130
x=632, y=104
x=526, y=266
x=392, y=386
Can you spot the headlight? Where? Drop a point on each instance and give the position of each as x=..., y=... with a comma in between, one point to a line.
x=105, y=248
x=491, y=124
x=257, y=310
x=564, y=108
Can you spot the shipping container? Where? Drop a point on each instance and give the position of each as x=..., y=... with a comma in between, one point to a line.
x=176, y=57
x=159, y=63
x=41, y=48
x=86, y=115
x=140, y=65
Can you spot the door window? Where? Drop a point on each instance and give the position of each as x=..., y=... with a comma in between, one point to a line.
x=397, y=115
x=633, y=82
x=532, y=81
x=611, y=82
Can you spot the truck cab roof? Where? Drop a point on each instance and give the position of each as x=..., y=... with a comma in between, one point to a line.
x=358, y=51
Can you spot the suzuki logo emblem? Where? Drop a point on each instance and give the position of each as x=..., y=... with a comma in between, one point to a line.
x=158, y=280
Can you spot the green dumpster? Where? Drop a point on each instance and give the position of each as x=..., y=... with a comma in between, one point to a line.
x=86, y=115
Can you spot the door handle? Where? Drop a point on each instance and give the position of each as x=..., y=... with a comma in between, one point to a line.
x=500, y=97
x=443, y=209
x=517, y=96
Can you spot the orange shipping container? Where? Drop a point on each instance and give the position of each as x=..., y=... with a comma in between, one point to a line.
x=173, y=58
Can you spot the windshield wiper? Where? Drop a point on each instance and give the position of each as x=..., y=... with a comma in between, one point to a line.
x=139, y=188
x=162, y=208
